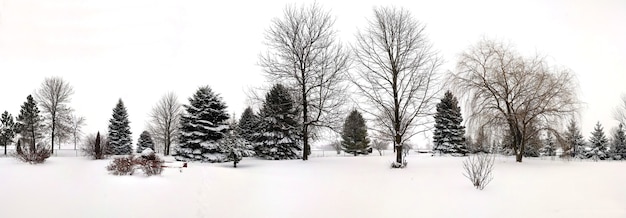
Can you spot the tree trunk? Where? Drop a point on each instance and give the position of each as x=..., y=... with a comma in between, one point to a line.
x=305, y=119
x=398, y=150
x=53, y=128
x=5, y=150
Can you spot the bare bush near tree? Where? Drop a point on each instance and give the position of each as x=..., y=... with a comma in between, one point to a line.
x=164, y=121
x=305, y=54
x=96, y=146
x=397, y=69
x=505, y=90
x=478, y=169
x=620, y=112
x=380, y=146
x=53, y=95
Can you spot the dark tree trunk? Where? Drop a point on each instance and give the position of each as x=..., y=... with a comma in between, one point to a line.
x=53, y=129
x=305, y=125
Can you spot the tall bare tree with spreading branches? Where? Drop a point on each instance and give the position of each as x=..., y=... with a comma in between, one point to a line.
x=164, y=118
x=77, y=124
x=305, y=55
x=53, y=96
x=521, y=94
x=397, y=72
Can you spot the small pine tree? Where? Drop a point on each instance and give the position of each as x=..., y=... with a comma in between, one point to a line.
x=236, y=147
x=247, y=124
x=144, y=141
x=277, y=136
x=202, y=126
x=449, y=134
x=598, y=143
x=29, y=123
x=575, y=141
x=97, y=148
x=120, y=140
x=549, y=147
x=619, y=143
x=354, y=138
x=7, y=130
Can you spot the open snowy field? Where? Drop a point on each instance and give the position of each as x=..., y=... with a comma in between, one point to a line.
x=340, y=186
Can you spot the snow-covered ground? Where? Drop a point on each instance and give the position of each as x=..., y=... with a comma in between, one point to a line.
x=340, y=186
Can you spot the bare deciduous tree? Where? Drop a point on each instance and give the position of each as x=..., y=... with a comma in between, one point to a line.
x=380, y=146
x=53, y=96
x=306, y=56
x=164, y=118
x=397, y=73
x=620, y=112
x=77, y=124
x=505, y=90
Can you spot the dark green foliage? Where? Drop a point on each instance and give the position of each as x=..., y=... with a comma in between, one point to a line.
x=598, y=143
x=354, y=139
x=248, y=124
x=120, y=141
x=619, y=143
x=449, y=134
x=7, y=130
x=277, y=137
x=202, y=126
x=98, y=148
x=29, y=123
x=144, y=142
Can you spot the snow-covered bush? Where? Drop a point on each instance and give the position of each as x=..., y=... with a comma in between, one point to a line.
x=148, y=162
x=36, y=155
x=478, y=169
x=122, y=165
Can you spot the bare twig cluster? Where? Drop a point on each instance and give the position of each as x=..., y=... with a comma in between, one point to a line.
x=478, y=169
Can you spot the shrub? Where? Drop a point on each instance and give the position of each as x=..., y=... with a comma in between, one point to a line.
x=148, y=162
x=478, y=169
x=35, y=155
x=95, y=150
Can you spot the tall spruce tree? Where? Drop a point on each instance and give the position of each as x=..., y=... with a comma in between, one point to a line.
x=29, y=123
x=354, y=138
x=145, y=141
x=449, y=134
x=202, y=126
x=247, y=124
x=575, y=140
x=619, y=143
x=277, y=136
x=598, y=143
x=120, y=141
x=7, y=130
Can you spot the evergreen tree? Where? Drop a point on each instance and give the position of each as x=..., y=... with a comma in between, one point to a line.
x=236, y=147
x=202, y=126
x=277, y=136
x=575, y=140
x=29, y=123
x=449, y=134
x=144, y=141
x=7, y=130
x=120, y=141
x=619, y=143
x=549, y=147
x=247, y=124
x=598, y=143
x=354, y=138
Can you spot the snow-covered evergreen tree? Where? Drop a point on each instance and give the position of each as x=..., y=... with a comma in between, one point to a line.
x=144, y=142
x=236, y=147
x=247, y=124
x=120, y=141
x=598, y=143
x=7, y=130
x=29, y=123
x=354, y=139
x=619, y=143
x=549, y=146
x=575, y=141
x=449, y=134
x=203, y=124
x=277, y=136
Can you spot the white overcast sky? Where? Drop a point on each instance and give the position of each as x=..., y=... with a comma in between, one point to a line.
x=138, y=50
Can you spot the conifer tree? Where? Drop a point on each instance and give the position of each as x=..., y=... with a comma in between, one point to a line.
x=29, y=123
x=277, y=136
x=202, y=126
x=144, y=142
x=619, y=143
x=247, y=124
x=354, y=138
x=449, y=134
x=575, y=140
x=549, y=147
x=120, y=141
x=598, y=143
x=7, y=130
x=236, y=147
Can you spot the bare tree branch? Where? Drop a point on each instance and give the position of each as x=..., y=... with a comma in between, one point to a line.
x=53, y=95
x=164, y=121
x=397, y=75
x=620, y=112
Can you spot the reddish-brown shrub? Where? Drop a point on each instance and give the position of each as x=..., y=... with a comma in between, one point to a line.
x=149, y=163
